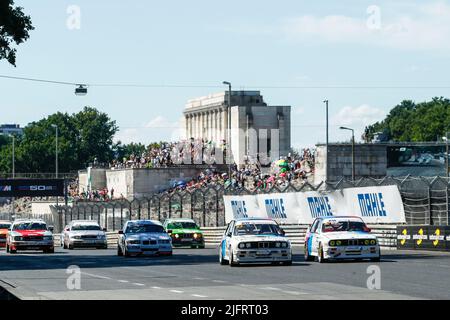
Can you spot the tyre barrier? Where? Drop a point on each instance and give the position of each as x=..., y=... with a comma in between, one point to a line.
x=423, y=237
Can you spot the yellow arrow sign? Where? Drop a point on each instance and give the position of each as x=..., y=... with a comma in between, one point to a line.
x=403, y=241
x=437, y=233
x=419, y=241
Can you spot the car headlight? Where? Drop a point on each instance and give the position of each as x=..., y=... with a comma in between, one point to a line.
x=373, y=242
x=101, y=237
x=177, y=235
x=241, y=245
x=284, y=244
x=133, y=241
x=18, y=238
x=48, y=238
x=248, y=245
x=366, y=242
x=197, y=235
x=75, y=237
x=332, y=243
x=277, y=244
x=338, y=242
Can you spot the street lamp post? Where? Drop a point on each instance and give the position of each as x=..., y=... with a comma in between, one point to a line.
x=229, y=128
x=446, y=154
x=56, y=157
x=13, y=213
x=353, y=150
x=326, y=140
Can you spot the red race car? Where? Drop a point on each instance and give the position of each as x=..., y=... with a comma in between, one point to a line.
x=30, y=234
x=4, y=228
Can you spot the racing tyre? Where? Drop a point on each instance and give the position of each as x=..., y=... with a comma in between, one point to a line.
x=377, y=259
x=119, y=251
x=126, y=253
x=12, y=251
x=7, y=248
x=320, y=257
x=64, y=245
x=308, y=257
x=70, y=246
x=222, y=261
x=287, y=263
x=49, y=250
x=232, y=262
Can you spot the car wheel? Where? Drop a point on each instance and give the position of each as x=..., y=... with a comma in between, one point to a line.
x=308, y=257
x=126, y=253
x=119, y=251
x=287, y=263
x=70, y=246
x=232, y=262
x=7, y=248
x=377, y=259
x=12, y=251
x=320, y=257
x=222, y=261
x=64, y=245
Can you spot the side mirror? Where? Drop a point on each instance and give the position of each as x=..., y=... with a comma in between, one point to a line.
x=104, y=229
x=367, y=229
x=120, y=231
x=51, y=228
x=283, y=232
x=169, y=231
x=229, y=234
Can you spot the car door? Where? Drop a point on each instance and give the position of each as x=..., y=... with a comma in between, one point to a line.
x=226, y=241
x=315, y=234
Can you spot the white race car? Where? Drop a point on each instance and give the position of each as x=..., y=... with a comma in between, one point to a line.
x=254, y=241
x=340, y=238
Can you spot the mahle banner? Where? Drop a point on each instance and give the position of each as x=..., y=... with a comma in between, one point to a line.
x=373, y=204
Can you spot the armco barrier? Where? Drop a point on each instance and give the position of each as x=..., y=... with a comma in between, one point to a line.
x=387, y=235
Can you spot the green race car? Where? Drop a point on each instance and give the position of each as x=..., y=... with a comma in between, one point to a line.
x=184, y=232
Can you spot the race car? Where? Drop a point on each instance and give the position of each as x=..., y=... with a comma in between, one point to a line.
x=334, y=238
x=30, y=234
x=4, y=228
x=143, y=237
x=184, y=232
x=84, y=234
x=252, y=240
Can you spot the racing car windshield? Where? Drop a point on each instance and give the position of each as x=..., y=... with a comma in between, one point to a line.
x=182, y=225
x=86, y=227
x=257, y=229
x=344, y=225
x=144, y=228
x=30, y=226
x=4, y=225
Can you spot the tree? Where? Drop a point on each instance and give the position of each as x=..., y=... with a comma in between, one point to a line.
x=14, y=28
x=126, y=150
x=83, y=137
x=408, y=121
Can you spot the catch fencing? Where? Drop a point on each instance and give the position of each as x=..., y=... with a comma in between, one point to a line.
x=425, y=200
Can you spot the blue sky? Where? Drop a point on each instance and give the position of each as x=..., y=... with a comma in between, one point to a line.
x=249, y=43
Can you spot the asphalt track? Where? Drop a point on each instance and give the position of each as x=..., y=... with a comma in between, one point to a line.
x=196, y=274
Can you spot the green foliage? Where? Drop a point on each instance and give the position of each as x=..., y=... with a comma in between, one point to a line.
x=126, y=150
x=14, y=28
x=82, y=137
x=408, y=121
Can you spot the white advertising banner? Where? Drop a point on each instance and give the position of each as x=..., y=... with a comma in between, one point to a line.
x=373, y=204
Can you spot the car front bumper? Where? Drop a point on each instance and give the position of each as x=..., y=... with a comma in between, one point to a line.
x=2, y=243
x=262, y=255
x=354, y=252
x=180, y=242
x=31, y=245
x=84, y=243
x=149, y=249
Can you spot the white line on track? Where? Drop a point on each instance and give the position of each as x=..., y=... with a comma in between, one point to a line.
x=96, y=276
x=198, y=296
x=271, y=288
x=176, y=291
x=123, y=281
x=139, y=284
x=219, y=281
x=156, y=287
x=295, y=293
